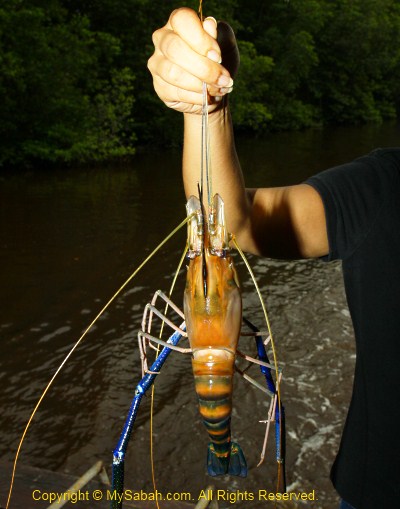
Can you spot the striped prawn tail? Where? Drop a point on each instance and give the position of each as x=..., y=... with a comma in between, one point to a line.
x=213, y=375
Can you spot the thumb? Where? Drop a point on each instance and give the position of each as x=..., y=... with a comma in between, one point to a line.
x=210, y=26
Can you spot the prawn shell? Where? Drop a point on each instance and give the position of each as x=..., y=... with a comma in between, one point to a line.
x=213, y=324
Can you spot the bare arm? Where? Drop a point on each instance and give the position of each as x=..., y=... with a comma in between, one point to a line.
x=280, y=222
x=283, y=222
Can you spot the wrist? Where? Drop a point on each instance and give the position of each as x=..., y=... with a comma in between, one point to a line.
x=218, y=117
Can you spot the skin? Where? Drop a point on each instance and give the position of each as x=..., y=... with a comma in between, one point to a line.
x=284, y=222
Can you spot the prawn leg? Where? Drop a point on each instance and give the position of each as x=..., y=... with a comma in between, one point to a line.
x=278, y=410
x=119, y=452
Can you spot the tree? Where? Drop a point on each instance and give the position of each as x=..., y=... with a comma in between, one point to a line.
x=55, y=74
x=359, y=51
x=74, y=83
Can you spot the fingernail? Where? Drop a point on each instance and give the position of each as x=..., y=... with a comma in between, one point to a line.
x=218, y=98
x=226, y=90
x=225, y=81
x=214, y=56
x=213, y=19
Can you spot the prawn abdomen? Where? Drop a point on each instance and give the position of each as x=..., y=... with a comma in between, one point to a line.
x=213, y=374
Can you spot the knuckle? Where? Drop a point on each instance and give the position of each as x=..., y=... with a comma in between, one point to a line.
x=156, y=36
x=174, y=15
x=171, y=46
x=150, y=64
x=159, y=88
x=175, y=74
x=154, y=64
x=177, y=15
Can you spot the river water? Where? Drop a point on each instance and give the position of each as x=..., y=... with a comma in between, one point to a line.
x=70, y=238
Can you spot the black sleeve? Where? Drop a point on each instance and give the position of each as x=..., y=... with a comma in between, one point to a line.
x=353, y=195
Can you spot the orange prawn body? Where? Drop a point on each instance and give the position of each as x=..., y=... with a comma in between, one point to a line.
x=213, y=315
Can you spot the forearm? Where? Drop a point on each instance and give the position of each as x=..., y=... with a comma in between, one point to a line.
x=227, y=177
x=282, y=222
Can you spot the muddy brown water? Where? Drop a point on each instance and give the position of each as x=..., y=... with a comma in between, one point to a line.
x=70, y=238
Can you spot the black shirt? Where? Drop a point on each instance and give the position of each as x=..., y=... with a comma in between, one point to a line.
x=362, y=207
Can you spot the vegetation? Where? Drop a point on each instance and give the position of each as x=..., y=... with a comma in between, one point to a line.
x=74, y=86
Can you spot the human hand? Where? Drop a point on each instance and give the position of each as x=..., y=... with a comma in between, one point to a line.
x=186, y=55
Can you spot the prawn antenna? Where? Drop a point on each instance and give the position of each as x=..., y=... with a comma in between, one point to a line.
x=103, y=309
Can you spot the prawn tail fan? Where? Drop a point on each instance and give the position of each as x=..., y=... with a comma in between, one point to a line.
x=233, y=463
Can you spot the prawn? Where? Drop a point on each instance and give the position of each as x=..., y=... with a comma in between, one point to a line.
x=213, y=314
x=212, y=324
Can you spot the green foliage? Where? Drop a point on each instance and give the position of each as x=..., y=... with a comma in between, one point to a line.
x=55, y=77
x=360, y=51
x=250, y=110
x=287, y=32
x=335, y=61
x=74, y=84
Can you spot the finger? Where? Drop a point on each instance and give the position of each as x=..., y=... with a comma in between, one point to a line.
x=170, y=94
x=176, y=76
x=210, y=26
x=186, y=23
x=175, y=49
x=173, y=74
